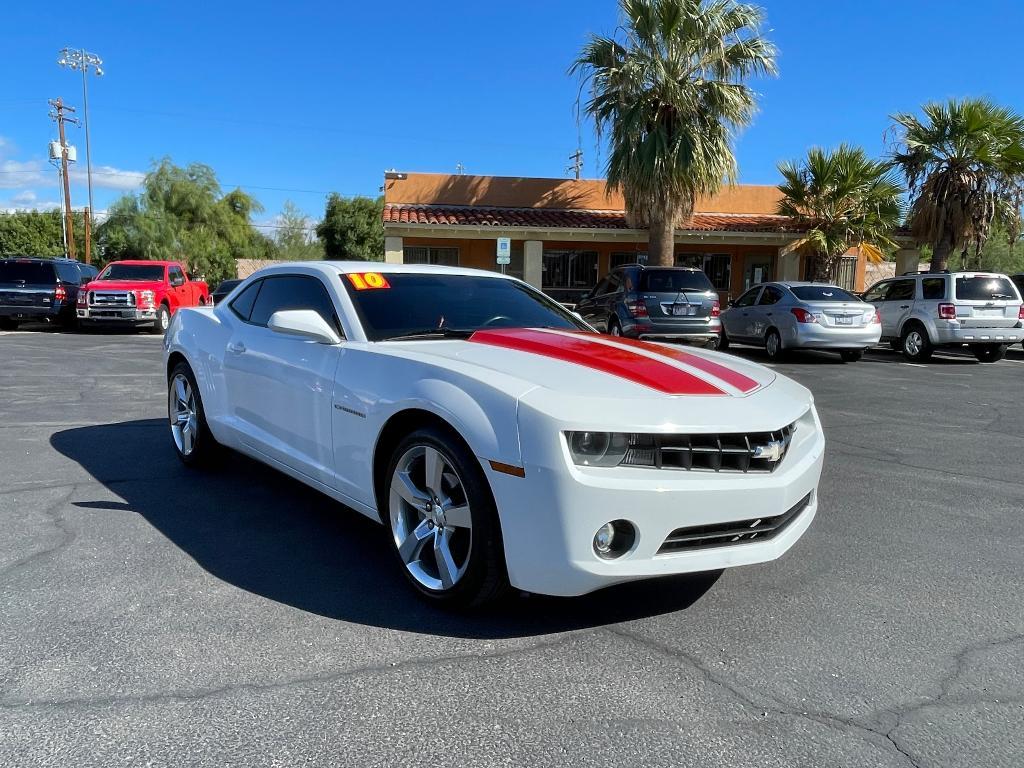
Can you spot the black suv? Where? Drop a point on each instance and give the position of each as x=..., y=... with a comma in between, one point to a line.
x=664, y=303
x=40, y=289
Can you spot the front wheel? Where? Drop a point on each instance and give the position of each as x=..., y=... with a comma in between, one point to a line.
x=444, y=525
x=193, y=441
x=163, y=320
x=989, y=353
x=851, y=355
x=8, y=324
x=723, y=341
x=915, y=344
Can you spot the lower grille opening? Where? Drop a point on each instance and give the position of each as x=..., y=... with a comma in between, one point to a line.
x=736, y=532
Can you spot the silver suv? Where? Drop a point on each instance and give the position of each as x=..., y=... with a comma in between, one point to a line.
x=922, y=311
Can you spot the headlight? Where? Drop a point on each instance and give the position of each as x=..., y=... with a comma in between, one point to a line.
x=598, y=449
x=147, y=298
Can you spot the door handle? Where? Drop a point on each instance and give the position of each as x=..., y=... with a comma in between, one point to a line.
x=768, y=313
x=904, y=306
x=236, y=349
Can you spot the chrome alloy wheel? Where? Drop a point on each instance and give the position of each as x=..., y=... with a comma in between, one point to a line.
x=430, y=518
x=183, y=414
x=914, y=343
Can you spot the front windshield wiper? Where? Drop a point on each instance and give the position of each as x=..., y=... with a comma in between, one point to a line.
x=435, y=333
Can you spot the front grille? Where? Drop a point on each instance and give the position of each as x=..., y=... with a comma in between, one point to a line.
x=731, y=452
x=728, y=534
x=111, y=299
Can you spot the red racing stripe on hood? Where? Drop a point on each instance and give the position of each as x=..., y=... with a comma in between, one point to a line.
x=731, y=377
x=579, y=349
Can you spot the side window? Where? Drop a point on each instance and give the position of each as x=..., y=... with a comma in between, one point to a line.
x=615, y=282
x=293, y=292
x=748, y=298
x=174, y=273
x=603, y=287
x=68, y=272
x=933, y=288
x=629, y=280
x=900, y=290
x=771, y=295
x=243, y=303
x=877, y=292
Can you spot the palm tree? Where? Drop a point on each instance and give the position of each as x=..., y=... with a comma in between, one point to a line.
x=846, y=200
x=965, y=168
x=671, y=97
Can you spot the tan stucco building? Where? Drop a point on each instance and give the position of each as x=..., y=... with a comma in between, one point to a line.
x=566, y=234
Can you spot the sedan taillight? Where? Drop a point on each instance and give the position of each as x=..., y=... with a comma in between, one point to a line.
x=803, y=316
x=716, y=308
x=947, y=311
x=637, y=308
x=876, y=319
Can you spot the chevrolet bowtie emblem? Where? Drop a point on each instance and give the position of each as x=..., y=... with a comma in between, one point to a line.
x=771, y=451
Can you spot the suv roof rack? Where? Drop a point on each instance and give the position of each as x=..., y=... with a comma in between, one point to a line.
x=926, y=272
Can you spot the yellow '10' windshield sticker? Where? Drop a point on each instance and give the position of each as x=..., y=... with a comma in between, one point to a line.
x=367, y=281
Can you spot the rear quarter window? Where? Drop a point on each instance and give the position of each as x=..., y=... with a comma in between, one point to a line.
x=933, y=288
x=985, y=288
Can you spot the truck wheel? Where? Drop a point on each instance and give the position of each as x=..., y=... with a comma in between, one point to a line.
x=163, y=319
x=989, y=353
x=8, y=324
x=915, y=344
x=190, y=434
x=443, y=523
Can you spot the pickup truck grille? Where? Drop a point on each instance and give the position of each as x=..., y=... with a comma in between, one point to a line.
x=111, y=299
x=729, y=534
x=759, y=452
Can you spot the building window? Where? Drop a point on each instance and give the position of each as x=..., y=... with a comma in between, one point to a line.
x=621, y=258
x=569, y=274
x=846, y=272
x=717, y=266
x=420, y=254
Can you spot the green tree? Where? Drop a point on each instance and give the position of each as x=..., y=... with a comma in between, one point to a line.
x=292, y=238
x=182, y=214
x=671, y=96
x=846, y=200
x=964, y=165
x=38, y=233
x=352, y=228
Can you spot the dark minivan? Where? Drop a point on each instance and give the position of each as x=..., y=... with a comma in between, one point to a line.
x=660, y=303
x=41, y=290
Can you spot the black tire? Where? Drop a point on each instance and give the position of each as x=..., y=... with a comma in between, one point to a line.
x=989, y=353
x=205, y=449
x=915, y=344
x=8, y=324
x=851, y=355
x=773, y=345
x=614, y=328
x=163, y=319
x=723, y=341
x=485, y=578
x=895, y=345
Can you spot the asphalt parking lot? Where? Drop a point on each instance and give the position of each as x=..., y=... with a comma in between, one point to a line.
x=155, y=616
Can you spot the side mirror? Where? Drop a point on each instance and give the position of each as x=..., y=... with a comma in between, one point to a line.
x=305, y=324
x=177, y=282
x=731, y=303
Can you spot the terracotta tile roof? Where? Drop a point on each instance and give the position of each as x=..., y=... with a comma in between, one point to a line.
x=454, y=215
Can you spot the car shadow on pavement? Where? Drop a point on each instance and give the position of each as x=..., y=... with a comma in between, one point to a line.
x=265, y=533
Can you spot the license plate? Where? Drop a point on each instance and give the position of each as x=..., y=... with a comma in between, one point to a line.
x=988, y=312
x=844, y=320
x=685, y=310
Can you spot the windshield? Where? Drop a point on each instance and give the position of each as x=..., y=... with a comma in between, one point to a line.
x=674, y=281
x=148, y=272
x=435, y=304
x=985, y=288
x=26, y=272
x=822, y=293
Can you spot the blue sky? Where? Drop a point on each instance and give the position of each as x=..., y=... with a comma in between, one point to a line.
x=293, y=100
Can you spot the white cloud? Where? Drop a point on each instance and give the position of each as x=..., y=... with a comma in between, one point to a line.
x=21, y=175
x=108, y=177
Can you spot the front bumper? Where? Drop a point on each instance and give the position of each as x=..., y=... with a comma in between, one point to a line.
x=119, y=316
x=817, y=336
x=549, y=518
x=951, y=332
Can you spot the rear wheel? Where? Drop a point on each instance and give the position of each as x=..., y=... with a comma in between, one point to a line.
x=193, y=441
x=614, y=328
x=773, y=345
x=851, y=355
x=163, y=320
x=8, y=324
x=989, y=353
x=444, y=525
x=915, y=344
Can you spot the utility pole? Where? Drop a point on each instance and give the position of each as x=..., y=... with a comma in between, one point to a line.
x=577, y=163
x=57, y=115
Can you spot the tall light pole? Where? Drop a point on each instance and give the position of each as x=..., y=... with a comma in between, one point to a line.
x=81, y=59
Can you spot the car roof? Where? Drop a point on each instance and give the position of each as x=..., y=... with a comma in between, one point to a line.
x=350, y=267
x=798, y=283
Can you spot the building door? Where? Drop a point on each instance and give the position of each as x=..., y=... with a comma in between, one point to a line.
x=756, y=270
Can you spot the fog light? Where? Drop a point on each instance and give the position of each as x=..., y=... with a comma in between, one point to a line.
x=603, y=539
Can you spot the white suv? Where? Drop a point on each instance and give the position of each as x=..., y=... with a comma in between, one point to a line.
x=922, y=311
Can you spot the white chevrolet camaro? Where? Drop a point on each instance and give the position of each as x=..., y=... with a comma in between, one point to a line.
x=498, y=438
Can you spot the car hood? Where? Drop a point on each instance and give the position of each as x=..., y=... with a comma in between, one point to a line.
x=581, y=376
x=124, y=285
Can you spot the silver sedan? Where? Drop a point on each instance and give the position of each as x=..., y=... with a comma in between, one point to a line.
x=797, y=315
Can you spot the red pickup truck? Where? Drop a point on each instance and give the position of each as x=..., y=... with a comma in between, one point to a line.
x=140, y=293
